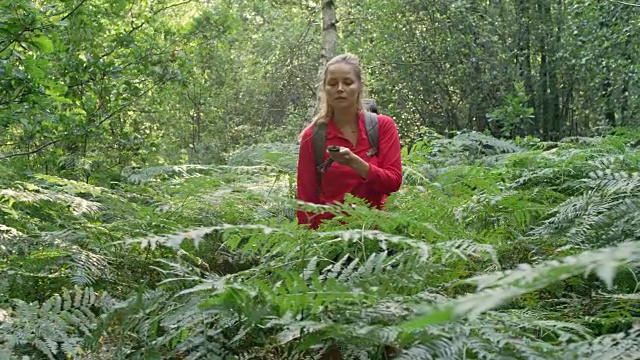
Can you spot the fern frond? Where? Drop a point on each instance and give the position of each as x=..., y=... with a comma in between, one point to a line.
x=58, y=248
x=515, y=210
x=10, y=238
x=497, y=287
x=422, y=248
x=600, y=214
x=465, y=248
x=34, y=194
x=283, y=155
x=609, y=161
x=611, y=182
x=156, y=173
x=87, y=266
x=582, y=140
x=73, y=187
x=623, y=346
x=174, y=240
x=488, y=142
x=55, y=328
x=557, y=169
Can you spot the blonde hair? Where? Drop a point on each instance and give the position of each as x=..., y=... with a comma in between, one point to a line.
x=324, y=110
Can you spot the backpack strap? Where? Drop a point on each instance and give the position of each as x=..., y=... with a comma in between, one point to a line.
x=373, y=131
x=319, y=140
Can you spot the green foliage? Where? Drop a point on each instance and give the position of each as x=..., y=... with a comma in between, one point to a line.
x=514, y=116
x=90, y=88
x=496, y=252
x=143, y=216
x=59, y=325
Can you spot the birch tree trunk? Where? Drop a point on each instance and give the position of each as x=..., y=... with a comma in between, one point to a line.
x=328, y=49
x=329, y=32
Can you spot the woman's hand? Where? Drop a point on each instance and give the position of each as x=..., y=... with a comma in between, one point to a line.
x=343, y=155
x=346, y=157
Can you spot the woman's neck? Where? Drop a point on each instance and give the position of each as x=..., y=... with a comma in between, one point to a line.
x=345, y=118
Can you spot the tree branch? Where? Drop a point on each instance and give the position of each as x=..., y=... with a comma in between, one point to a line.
x=33, y=151
x=172, y=5
x=15, y=39
x=73, y=10
x=97, y=125
x=27, y=29
x=137, y=27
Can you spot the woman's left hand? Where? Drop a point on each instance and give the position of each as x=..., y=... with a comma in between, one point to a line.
x=343, y=156
x=346, y=157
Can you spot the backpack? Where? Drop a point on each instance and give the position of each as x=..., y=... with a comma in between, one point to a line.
x=319, y=139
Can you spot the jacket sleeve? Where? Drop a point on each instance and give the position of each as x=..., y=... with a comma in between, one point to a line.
x=307, y=181
x=386, y=177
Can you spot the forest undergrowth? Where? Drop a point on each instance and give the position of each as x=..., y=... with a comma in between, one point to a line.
x=492, y=249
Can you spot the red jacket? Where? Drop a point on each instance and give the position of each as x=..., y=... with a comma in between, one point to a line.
x=385, y=169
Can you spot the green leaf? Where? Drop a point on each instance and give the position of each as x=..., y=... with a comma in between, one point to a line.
x=56, y=88
x=34, y=69
x=437, y=316
x=43, y=43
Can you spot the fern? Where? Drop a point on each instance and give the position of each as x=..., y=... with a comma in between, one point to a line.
x=582, y=140
x=608, y=210
x=175, y=172
x=624, y=345
x=206, y=261
x=556, y=169
x=475, y=144
x=73, y=187
x=66, y=259
x=497, y=334
x=319, y=292
x=56, y=327
x=31, y=193
x=8, y=236
x=281, y=155
x=499, y=286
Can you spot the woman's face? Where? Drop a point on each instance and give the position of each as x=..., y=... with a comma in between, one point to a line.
x=341, y=86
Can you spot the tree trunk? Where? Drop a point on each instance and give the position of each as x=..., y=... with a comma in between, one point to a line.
x=548, y=84
x=329, y=32
x=524, y=59
x=476, y=114
x=607, y=83
x=557, y=122
x=328, y=46
x=609, y=111
x=566, y=76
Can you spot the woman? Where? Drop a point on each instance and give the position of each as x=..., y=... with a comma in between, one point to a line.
x=353, y=171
